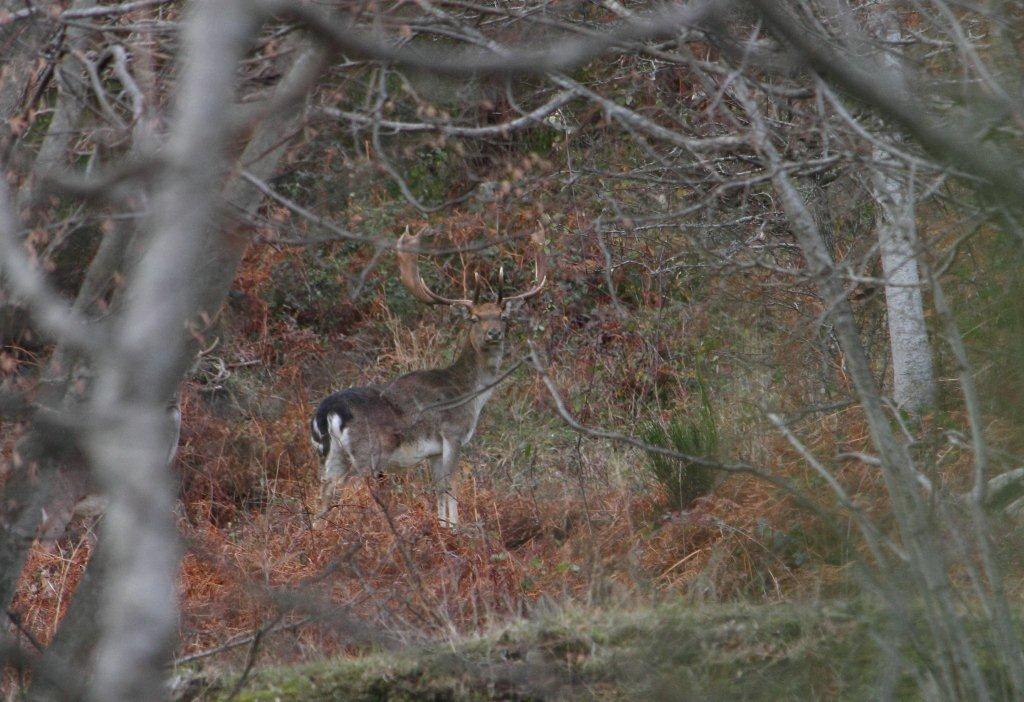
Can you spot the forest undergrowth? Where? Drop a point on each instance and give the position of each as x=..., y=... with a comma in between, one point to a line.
x=549, y=516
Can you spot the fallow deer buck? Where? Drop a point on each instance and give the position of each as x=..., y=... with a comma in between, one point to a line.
x=423, y=415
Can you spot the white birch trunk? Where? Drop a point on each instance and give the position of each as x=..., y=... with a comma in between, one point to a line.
x=913, y=378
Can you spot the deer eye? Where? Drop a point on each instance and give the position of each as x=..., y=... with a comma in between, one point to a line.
x=474, y=318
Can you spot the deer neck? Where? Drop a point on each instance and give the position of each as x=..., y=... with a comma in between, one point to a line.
x=477, y=368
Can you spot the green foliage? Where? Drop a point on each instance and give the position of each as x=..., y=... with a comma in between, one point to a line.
x=787, y=545
x=403, y=304
x=684, y=481
x=428, y=174
x=311, y=290
x=38, y=128
x=541, y=141
x=993, y=322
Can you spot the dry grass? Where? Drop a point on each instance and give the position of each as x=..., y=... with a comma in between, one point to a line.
x=246, y=520
x=548, y=518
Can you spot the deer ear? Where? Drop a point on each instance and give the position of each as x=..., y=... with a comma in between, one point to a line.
x=461, y=312
x=511, y=307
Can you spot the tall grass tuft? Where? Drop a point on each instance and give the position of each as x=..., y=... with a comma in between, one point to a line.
x=684, y=481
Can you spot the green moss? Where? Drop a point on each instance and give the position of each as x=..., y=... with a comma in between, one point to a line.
x=661, y=653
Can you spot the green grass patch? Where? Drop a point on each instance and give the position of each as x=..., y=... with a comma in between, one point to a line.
x=670, y=652
x=697, y=435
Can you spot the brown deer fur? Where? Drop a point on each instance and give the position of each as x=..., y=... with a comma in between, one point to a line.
x=424, y=415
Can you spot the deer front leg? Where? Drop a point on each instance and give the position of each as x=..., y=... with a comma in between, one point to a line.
x=443, y=468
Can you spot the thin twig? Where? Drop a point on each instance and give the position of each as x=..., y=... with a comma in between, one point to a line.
x=250, y=660
x=83, y=13
x=241, y=640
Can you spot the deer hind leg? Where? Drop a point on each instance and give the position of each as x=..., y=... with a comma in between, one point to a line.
x=337, y=465
x=324, y=504
x=443, y=469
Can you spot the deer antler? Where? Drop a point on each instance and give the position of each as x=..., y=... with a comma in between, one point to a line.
x=540, y=271
x=409, y=268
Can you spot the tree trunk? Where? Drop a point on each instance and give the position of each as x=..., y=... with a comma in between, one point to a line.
x=138, y=609
x=76, y=638
x=913, y=379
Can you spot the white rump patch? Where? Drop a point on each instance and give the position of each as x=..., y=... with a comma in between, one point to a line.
x=335, y=423
x=334, y=467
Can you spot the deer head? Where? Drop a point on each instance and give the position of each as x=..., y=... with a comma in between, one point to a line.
x=489, y=319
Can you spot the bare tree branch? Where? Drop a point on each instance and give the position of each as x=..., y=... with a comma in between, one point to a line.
x=531, y=118
x=665, y=23
x=878, y=86
x=83, y=13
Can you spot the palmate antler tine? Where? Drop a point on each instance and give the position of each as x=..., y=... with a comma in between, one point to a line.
x=478, y=286
x=409, y=271
x=540, y=269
